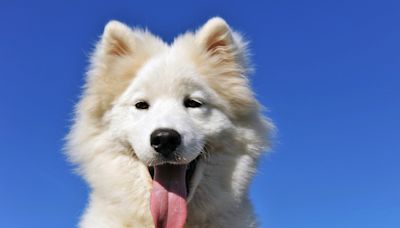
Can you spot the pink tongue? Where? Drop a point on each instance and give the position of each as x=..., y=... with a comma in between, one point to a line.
x=168, y=196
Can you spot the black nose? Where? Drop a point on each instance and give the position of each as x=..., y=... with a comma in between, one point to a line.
x=165, y=141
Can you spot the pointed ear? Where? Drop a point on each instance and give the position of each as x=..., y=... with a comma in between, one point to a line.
x=215, y=37
x=117, y=39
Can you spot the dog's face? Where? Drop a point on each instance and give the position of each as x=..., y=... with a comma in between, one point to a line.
x=171, y=101
x=168, y=112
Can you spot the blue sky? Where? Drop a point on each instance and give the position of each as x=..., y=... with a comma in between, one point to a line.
x=328, y=71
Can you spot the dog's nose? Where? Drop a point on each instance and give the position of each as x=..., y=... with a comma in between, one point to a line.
x=165, y=140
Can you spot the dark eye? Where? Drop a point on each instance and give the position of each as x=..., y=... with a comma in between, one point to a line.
x=190, y=103
x=142, y=105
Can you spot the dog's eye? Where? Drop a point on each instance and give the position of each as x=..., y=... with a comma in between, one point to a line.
x=190, y=103
x=142, y=105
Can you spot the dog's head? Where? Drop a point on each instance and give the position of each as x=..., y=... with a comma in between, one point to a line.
x=172, y=105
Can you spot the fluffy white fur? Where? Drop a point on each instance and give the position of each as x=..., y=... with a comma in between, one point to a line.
x=109, y=139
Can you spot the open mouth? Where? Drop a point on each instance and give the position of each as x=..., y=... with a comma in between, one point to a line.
x=168, y=198
x=190, y=170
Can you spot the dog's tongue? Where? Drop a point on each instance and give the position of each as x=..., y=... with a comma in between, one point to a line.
x=168, y=196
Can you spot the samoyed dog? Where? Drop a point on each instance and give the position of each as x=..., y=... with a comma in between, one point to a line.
x=168, y=135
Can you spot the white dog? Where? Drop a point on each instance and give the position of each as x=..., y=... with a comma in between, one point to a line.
x=168, y=135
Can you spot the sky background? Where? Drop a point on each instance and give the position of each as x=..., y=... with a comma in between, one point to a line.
x=328, y=71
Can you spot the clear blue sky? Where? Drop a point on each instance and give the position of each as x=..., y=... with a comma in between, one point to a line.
x=329, y=72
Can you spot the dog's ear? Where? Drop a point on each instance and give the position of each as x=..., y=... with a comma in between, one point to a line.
x=215, y=37
x=117, y=39
x=118, y=56
x=223, y=61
